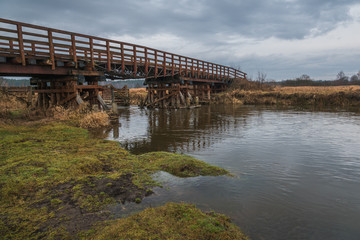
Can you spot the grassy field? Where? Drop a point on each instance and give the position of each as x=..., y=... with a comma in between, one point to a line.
x=56, y=183
x=338, y=96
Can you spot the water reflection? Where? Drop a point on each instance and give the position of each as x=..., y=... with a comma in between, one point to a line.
x=179, y=130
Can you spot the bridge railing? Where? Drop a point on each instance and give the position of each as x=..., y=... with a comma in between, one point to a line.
x=26, y=41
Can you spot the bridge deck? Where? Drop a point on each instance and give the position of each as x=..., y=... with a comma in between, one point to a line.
x=30, y=50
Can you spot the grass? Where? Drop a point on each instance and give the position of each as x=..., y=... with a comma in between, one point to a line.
x=56, y=181
x=181, y=165
x=338, y=96
x=172, y=221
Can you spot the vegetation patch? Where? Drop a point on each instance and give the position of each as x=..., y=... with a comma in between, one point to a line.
x=181, y=165
x=55, y=181
x=172, y=221
x=340, y=96
x=137, y=95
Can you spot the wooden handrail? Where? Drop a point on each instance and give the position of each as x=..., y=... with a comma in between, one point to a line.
x=105, y=50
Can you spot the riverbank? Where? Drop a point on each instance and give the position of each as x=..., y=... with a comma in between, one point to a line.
x=338, y=96
x=56, y=182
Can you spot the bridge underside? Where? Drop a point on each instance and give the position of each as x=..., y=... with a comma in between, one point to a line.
x=66, y=66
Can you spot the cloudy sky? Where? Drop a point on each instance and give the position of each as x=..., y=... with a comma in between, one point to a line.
x=282, y=38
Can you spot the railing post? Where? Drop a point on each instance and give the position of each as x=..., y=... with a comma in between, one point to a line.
x=73, y=43
x=92, y=53
x=156, y=70
x=198, y=68
x=51, y=50
x=172, y=65
x=21, y=44
x=207, y=70
x=164, y=64
x=212, y=71
x=192, y=67
x=135, y=61
x=122, y=58
x=108, y=56
x=146, y=63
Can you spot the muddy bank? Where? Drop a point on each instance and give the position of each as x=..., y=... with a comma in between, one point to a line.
x=343, y=96
x=57, y=182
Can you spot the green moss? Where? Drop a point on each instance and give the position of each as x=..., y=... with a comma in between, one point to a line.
x=181, y=165
x=42, y=166
x=172, y=221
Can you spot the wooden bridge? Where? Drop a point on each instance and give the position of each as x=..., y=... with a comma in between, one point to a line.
x=66, y=65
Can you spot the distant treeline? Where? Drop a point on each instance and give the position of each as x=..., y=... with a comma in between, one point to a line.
x=6, y=82
x=136, y=83
x=305, y=80
x=301, y=82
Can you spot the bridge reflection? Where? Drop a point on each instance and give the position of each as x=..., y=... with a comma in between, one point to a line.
x=182, y=130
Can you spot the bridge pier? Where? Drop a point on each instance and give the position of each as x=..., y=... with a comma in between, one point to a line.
x=176, y=95
x=63, y=90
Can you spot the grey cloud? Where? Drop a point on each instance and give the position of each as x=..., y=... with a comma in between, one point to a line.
x=197, y=21
x=249, y=18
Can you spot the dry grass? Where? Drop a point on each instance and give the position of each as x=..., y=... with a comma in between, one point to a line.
x=137, y=95
x=317, y=90
x=95, y=120
x=332, y=96
x=11, y=108
x=10, y=103
x=82, y=116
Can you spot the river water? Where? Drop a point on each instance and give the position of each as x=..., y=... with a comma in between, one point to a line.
x=296, y=173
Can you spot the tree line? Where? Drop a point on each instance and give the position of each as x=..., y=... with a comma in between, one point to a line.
x=305, y=80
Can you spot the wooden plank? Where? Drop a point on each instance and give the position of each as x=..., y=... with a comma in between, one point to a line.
x=67, y=99
x=162, y=98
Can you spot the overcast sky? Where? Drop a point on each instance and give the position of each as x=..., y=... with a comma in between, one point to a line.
x=283, y=38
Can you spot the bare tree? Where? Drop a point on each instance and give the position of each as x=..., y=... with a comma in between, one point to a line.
x=305, y=77
x=341, y=76
x=261, y=77
x=354, y=78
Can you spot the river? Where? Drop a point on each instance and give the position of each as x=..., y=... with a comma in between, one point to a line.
x=296, y=173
